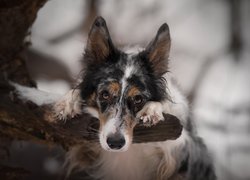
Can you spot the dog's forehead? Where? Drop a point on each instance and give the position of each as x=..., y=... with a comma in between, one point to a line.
x=124, y=72
x=126, y=61
x=123, y=67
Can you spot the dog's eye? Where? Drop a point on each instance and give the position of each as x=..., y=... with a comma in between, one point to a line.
x=138, y=99
x=105, y=95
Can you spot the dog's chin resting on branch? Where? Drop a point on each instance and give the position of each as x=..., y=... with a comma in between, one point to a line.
x=122, y=89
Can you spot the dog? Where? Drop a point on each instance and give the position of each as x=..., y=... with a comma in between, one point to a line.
x=120, y=89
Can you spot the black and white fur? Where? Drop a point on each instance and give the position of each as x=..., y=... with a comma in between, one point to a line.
x=121, y=88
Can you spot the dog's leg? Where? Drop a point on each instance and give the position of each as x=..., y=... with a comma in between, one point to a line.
x=177, y=106
x=151, y=113
x=69, y=105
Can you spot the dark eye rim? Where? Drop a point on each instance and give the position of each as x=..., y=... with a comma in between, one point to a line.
x=138, y=99
x=105, y=95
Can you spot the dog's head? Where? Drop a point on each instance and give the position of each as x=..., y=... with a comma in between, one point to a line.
x=117, y=85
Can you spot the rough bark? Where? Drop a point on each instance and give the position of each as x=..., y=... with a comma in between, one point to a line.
x=13, y=173
x=27, y=121
x=16, y=17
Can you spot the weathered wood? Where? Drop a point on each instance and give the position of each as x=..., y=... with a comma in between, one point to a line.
x=27, y=121
x=12, y=173
x=169, y=129
x=16, y=17
x=87, y=127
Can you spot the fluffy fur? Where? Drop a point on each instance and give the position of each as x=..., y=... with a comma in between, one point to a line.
x=120, y=89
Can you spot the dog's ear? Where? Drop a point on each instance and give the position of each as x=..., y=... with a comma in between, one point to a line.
x=157, y=51
x=99, y=44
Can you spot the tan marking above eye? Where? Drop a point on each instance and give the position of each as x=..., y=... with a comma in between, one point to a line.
x=114, y=88
x=133, y=91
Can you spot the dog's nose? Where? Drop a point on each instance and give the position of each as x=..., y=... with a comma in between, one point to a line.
x=116, y=141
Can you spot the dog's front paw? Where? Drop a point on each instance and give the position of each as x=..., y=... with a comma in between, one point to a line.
x=151, y=113
x=69, y=106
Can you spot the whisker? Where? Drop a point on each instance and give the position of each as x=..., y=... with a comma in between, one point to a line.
x=93, y=129
x=88, y=133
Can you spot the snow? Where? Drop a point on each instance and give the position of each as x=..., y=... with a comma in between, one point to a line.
x=64, y=15
x=192, y=22
x=57, y=87
x=36, y=96
x=222, y=113
x=68, y=52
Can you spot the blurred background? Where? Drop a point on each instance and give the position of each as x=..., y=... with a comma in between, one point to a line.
x=210, y=58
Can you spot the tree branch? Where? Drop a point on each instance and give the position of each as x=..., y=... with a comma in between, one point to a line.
x=25, y=120
x=16, y=17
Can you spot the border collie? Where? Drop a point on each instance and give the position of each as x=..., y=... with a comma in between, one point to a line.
x=120, y=88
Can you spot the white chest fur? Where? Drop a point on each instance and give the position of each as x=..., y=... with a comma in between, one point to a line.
x=141, y=161
x=138, y=163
